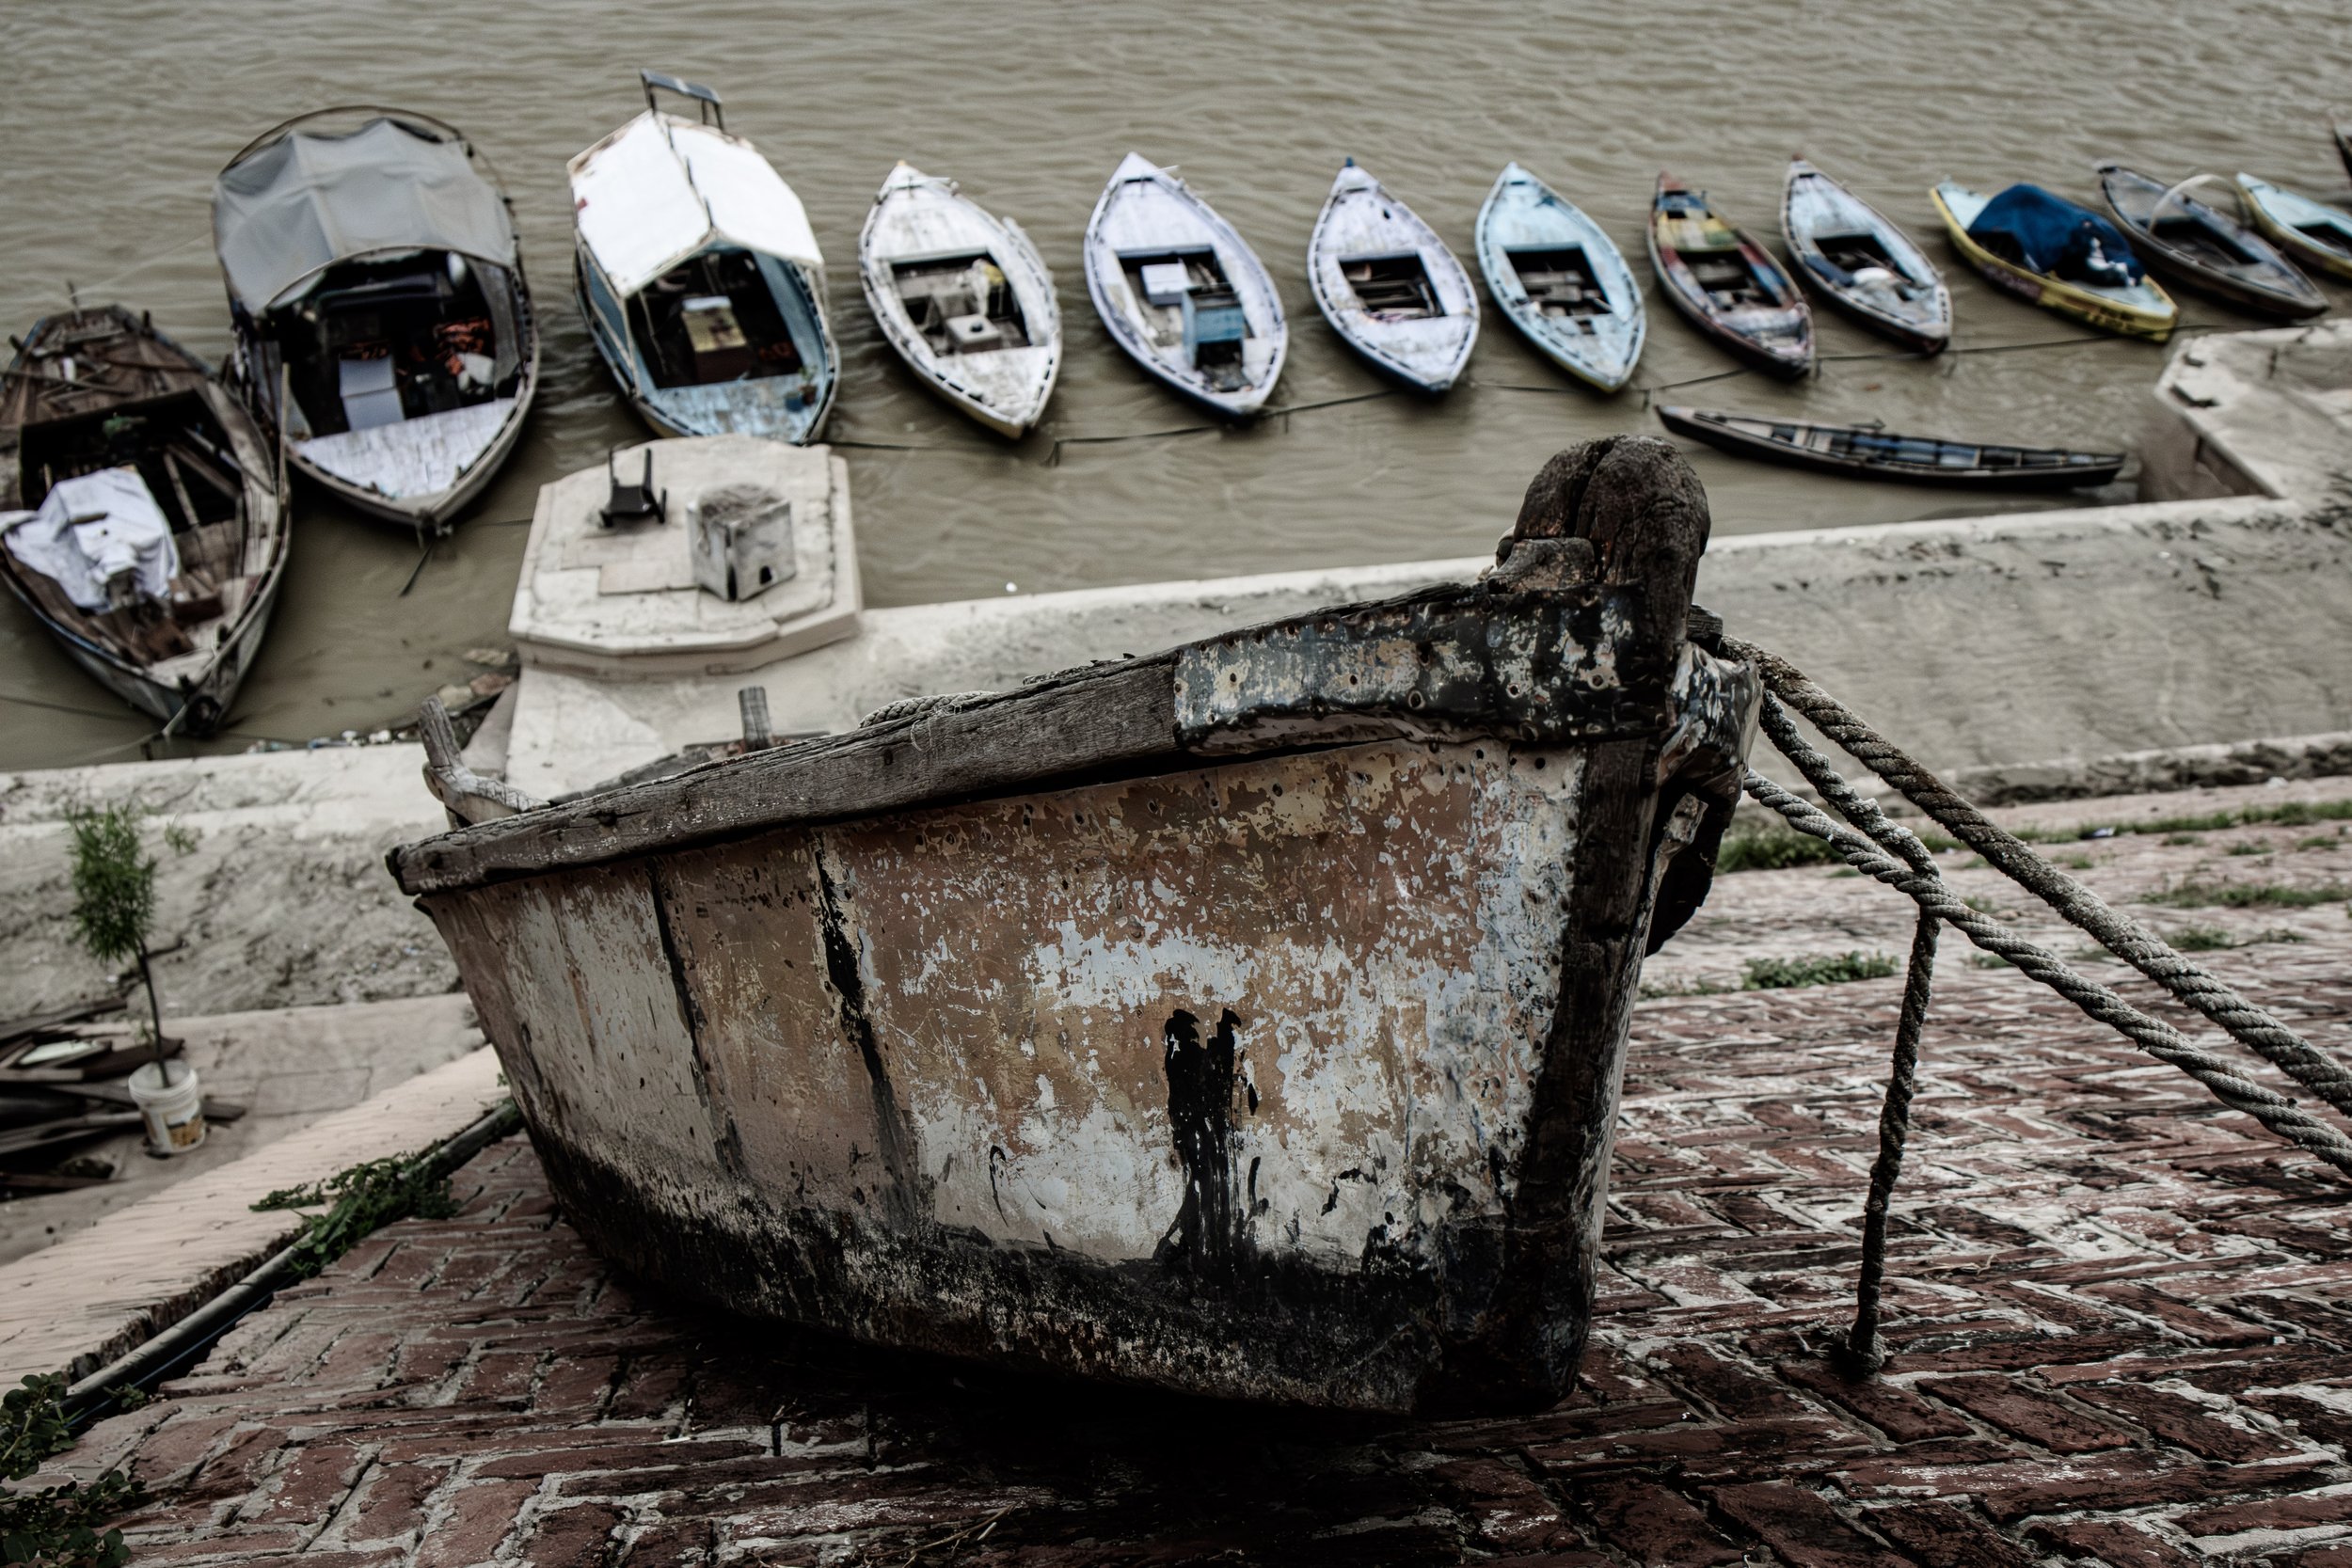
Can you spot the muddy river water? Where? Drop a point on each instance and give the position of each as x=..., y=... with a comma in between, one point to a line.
x=120, y=112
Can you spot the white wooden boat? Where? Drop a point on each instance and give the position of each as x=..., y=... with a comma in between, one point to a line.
x=144, y=513
x=1389, y=286
x=964, y=298
x=1862, y=262
x=1245, y=1019
x=376, y=291
x=2313, y=233
x=1560, y=280
x=1182, y=293
x=700, y=277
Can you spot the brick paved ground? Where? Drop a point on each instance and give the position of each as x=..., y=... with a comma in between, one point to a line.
x=2121, y=1319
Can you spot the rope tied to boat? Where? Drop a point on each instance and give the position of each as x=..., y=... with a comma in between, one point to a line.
x=1876, y=845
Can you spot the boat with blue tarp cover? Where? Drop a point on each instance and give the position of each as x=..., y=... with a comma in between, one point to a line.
x=2057, y=254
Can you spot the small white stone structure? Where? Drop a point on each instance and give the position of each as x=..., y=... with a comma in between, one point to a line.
x=623, y=602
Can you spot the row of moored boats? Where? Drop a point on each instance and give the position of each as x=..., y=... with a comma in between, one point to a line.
x=387, y=347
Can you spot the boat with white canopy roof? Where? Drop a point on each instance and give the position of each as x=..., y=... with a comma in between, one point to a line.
x=378, y=291
x=700, y=277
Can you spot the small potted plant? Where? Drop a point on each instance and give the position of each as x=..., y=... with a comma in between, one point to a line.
x=113, y=905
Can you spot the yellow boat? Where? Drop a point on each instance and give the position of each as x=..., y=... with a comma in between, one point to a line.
x=2314, y=234
x=2140, y=309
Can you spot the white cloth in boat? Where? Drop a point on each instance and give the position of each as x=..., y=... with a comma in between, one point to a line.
x=662, y=188
x=92, y=528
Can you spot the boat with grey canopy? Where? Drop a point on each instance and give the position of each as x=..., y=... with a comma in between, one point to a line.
x=381, y=317
x=1244, y=1020
x=699, y=276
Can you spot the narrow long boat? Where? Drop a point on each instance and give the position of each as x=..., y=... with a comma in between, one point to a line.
x=1181, y=292
x=2128, y=303
x=1559, y=278
x=2313, y=233
x=964, y=298
x=1863, y=451
x=1727, y=283
x=144, y=513
x=2206, y=248
x=1862, y=262
x=1244, y=1019
x=1389, y=286
x=375, y=289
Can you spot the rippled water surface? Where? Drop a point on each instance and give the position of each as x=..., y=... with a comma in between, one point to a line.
x=119, y=114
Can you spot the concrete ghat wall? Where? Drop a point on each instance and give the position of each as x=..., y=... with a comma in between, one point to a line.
x=284, y=901
x=1985, y=640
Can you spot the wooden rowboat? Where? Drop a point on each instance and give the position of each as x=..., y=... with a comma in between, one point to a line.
x=1182, y=291
x=964, y=298
x=1389, y=286
x=1727, y=283
x=1865, y=453
x=1558, y=277
x=1244, y=1019
x=107, y=424
x=2313, y=233
x=2206, y=248
x=2139, y=308
x=2342, y=128
x=1862, y=263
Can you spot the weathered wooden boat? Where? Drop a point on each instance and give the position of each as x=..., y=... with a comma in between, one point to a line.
x=1559, y=280
x=144, y=513
x=699, y=276
x=1389, y=286
x=1869, y=453
x=1244, y=1019
x=2053, y=253
x=2206, y=248
x=964, y=298
x=2315, y=234
x=1862, y=262
x=1182, y=293
x=2342, y=128
x=1728, y=284
x=381, y=317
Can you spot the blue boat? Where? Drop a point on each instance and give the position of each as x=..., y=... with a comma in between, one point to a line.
x=1558, y=279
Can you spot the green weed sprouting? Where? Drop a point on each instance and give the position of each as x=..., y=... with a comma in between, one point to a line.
x=1827, y=969
x=55, y=1524
x=359, y=1201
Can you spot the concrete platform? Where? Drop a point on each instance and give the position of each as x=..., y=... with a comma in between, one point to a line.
x=2253, y=414
x=621, y=602
x=2117, y=1312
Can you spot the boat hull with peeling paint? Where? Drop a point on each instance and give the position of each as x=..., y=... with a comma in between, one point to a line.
x=1245, y=1020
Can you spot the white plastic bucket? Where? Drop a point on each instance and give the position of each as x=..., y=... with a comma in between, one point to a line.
x=166, y=1094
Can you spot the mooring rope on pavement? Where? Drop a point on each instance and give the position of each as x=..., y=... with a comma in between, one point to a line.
x=1884, y=849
